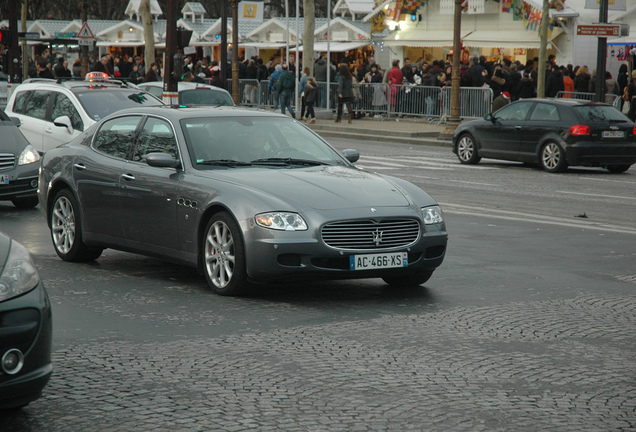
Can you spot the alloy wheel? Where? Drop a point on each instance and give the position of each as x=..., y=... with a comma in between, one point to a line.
x=63, y=225
x=551, y=156
x=219, y=254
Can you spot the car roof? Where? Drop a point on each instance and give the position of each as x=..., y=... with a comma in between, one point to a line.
x=185, y=85
x=563, y=101
x=75, y=84
x=178, y=112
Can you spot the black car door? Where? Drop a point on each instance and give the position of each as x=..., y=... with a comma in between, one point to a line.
x=149, y=194
x=544, y=119
x=501, y=140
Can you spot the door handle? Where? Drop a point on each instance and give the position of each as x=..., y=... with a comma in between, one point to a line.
x=128, y=177
x=518, y=127
x=79, y=167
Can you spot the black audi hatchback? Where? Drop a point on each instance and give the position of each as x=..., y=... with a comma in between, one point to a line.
x=555, y=133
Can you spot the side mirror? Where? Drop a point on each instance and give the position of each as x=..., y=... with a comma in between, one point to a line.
x=16, y=121
x=351, y=155
x=489, y=117
x=64, y=121
x=162, y=160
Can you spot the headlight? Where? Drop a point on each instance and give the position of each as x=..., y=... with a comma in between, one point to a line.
x=19, y=274
x=281, y=221
x=28, y=155
x=432, y=215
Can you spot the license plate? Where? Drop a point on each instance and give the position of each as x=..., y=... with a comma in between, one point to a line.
x=4, y=178
x=378, y=261
x=613, y=134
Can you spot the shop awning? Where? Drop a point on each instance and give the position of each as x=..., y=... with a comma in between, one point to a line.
x=338, y=46
x=420, y=38
x=264, y=45
x=507, y=38
x=127, y=44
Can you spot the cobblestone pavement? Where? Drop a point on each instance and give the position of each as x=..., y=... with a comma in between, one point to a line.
x=558, y=365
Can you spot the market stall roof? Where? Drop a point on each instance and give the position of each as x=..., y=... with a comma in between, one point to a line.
x=420, y=38
x=338, y=46
x=512, y=38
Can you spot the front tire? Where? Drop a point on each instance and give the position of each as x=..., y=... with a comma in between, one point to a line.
x=224, y=256
x=617, y=169
x=408, y=281
x=25, y=203
x=467, y=150
x=553, y=158
x=66, y=229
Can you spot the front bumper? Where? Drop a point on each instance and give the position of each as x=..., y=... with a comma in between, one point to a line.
x=23, y=182
x=601, y=153
x=277, y=256
x=26, y=325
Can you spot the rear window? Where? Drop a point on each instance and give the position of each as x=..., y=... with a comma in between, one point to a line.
x=204, y=96
x=594, y=113
x=100, y=102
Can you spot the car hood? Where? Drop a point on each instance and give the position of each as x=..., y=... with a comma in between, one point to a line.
x=321, y=188
x=11, y=139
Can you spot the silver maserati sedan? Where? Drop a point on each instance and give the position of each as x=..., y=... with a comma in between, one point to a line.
x=244, y=196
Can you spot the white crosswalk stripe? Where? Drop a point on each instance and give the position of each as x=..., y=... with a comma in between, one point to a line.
x=393, y=163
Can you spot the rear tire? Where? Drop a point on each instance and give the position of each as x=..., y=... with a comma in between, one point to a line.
x=617, y=169
x=410, y=280
x=66, y=229
x=224, y=256
x=467, y=150
x=553, y=158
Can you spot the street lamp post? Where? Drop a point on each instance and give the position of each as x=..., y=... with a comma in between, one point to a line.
x=455, y=119
x=235, y=48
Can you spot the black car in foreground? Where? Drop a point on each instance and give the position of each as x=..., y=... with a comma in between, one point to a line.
x=19, y=164
x=25, y=328
x=555, y=133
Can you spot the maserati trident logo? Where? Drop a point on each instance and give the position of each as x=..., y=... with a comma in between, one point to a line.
x=377, y=237
x=373, y=210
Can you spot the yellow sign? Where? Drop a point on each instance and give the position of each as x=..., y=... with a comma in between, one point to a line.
x=249, y=10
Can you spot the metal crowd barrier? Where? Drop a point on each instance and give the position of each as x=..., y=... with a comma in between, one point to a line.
x=474, y=102
x=432, y=103
x=611, y=99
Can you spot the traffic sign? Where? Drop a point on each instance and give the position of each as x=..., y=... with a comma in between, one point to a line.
x=85, y=41
x=85, y=32
x=599, y=30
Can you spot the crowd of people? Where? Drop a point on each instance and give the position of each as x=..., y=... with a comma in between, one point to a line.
x=508, y=80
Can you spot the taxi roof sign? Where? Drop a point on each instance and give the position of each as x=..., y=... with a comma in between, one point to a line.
x=85, y=32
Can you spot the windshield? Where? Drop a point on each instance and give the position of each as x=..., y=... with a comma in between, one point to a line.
x=262, y=141
x=205, y=96
x=100, y=102
x=593, y=113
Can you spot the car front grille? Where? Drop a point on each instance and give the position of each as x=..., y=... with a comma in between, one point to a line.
x=7, y=161
x=370, y=234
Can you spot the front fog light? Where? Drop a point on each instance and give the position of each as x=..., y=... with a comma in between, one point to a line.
x=432, y=215
x=12, y=361
x=281, y=221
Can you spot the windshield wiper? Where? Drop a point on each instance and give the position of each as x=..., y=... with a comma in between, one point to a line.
x=224, y=162
x=287, y=161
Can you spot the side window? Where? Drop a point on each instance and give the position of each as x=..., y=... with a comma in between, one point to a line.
x=64, y=107
x=545, y=112
x=20, y=101
x=38, y=103
x=155, y=137
x=514, y=112
x=115, y=136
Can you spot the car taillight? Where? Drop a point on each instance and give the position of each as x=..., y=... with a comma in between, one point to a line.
x=634, y=130
x=579, y=130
